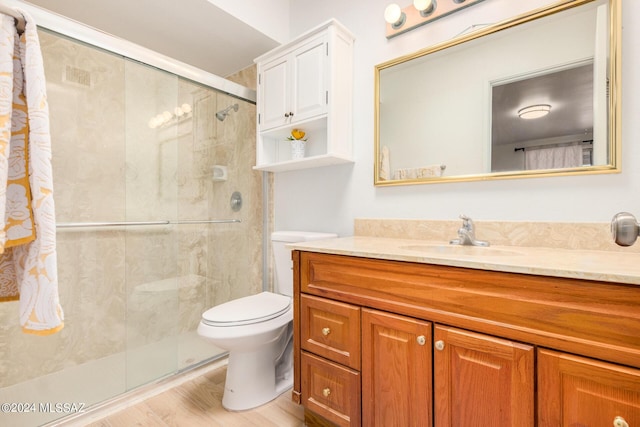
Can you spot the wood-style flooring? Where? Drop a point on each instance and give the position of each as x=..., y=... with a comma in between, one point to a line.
x=198, y=402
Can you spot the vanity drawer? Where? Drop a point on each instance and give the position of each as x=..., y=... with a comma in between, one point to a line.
x=330, y=329
x=330, y=390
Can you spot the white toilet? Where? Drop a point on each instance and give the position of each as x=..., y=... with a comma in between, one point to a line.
x=257, y=331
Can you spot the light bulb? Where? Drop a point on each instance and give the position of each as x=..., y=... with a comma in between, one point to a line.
x=393, y=15
x=422, y=4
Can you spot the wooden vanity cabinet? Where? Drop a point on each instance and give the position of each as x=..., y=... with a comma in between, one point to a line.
x=396, y=370
x=576, y=391
x=421, y=345
x=330, y=360
x=482, y=380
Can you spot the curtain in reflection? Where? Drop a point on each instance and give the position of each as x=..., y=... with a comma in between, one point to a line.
x=553, y=157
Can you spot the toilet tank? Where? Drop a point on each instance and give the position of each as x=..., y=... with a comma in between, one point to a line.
x=282, y=255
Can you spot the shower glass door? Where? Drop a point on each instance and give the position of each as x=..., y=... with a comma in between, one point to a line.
x=144, y=168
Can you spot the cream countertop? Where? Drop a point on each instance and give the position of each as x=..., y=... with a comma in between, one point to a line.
x=608, y=266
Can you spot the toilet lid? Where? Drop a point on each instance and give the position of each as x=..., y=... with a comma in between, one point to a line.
x=245, y=311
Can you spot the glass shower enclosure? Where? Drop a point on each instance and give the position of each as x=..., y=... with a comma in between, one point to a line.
x=145, y=164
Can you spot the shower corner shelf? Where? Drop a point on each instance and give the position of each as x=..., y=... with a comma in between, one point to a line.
x=306, y=84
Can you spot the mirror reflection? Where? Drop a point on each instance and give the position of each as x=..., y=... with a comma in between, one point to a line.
x=532, y=99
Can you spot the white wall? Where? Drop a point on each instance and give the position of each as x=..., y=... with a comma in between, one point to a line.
x=267, y=17
x=328, y=199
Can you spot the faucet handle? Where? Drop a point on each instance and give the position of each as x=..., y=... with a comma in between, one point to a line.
x=624, y=229
x=466, y=222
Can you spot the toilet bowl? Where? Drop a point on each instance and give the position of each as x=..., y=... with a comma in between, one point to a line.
x=257, y=331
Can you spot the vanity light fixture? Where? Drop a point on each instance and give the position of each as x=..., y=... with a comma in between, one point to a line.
x=394, y=16
x=400, y=20
x=425, y=7
x=534, y=111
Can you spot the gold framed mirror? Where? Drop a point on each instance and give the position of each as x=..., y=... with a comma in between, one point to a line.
x=461, y=110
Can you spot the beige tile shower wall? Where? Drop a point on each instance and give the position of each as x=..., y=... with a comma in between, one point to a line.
x=248, y=78
x=588, y=236
x=236, y=256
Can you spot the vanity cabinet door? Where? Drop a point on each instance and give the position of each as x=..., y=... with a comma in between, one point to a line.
x=576, y=391
x=480, y=380
x=396, y=370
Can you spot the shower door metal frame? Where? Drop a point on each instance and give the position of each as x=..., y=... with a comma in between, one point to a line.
x=127, y=49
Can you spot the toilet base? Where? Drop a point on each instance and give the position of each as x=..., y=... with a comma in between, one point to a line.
x=251, y=381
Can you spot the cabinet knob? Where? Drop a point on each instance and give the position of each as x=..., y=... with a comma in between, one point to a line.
x=326, y=331
x=620, y=422
x=326, y=392
x=421, y=340
x=286, y=114
x=440, y=345
x=290, y=114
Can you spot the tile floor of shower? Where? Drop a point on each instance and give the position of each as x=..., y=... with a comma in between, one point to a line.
x=109, y=373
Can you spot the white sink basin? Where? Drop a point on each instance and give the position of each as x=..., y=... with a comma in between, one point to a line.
x=437, y=249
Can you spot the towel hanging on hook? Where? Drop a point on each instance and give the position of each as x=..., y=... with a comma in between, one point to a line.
x=16, y=15
x=28, y=270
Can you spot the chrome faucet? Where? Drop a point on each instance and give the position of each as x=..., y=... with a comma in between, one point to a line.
x=467, y=234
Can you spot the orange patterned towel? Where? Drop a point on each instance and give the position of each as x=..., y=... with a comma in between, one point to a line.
x=28, y=266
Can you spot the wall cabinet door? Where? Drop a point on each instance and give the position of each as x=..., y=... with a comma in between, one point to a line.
x=576, y=391
x=309, y=95
x=481, y=380
x=396, y=370
x=274, y=93
x=294, y=86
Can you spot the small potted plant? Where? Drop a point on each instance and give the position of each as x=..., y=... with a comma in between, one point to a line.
x=298, y=142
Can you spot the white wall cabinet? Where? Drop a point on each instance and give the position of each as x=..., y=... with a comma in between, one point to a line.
x=306, y=84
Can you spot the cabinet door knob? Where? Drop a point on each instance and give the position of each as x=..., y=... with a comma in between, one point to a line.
x=326, y=392
x=440, y=345
x=326, y=331
x=286, y=114
x=620, y=422
x=421, y=340
x=290, y=114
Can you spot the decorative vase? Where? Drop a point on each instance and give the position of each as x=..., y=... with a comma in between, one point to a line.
x=297, y=148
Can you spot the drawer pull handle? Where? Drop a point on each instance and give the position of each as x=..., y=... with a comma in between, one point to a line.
x=326, y=392
x=440, y=345
x=421, y=340
x=620, y=422
x=326, y=331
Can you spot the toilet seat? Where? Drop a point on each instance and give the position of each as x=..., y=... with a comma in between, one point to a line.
x=247, y=310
